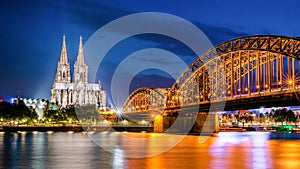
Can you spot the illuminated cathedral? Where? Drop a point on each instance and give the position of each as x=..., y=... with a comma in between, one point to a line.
x=77, y=91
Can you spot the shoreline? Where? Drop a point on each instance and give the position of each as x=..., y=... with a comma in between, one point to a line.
x=136, y=129
x=76, y=128
x=140, y=129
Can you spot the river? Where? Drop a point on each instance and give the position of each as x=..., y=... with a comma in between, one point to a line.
x=76, y=150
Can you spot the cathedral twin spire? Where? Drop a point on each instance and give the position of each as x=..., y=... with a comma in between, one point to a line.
x=80, y=68
x=80, y=57
x=63, y=55
x=63, y=69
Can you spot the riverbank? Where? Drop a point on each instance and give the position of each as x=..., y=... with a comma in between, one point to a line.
x=147, y=129
x=76, y=128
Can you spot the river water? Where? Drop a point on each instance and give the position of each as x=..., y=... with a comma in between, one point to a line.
x=76, y=150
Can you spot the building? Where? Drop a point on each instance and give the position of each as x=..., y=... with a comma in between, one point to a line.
x=75, y=91
x=39, y=105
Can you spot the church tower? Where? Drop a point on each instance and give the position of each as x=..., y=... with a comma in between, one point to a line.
x=65, y=92
x=80, y=68
x=63, y=67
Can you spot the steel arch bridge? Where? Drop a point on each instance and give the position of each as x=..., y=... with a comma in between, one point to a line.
x=243, y=68
x=145, y=99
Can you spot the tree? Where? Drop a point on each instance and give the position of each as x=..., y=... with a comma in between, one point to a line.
x=284, y=115
x=69, y=113
x=244, y=116
x=53, y=115
x=17, y=112
x=87, y=112
x=5, y=110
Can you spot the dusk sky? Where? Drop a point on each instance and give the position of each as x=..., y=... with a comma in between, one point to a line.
x=31, y=34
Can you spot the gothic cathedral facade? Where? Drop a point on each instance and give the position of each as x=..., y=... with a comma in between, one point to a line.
x=77, y=91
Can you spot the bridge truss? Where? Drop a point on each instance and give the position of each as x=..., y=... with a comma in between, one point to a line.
x=246, y=67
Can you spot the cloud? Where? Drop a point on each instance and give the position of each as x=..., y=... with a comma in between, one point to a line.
x=218, y=34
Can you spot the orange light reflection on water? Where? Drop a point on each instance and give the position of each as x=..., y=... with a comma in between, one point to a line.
x=227, y=150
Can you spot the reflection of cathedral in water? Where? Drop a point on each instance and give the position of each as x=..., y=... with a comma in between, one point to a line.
x=79, y=91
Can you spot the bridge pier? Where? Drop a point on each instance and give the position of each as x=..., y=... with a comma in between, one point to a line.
x=201, y=123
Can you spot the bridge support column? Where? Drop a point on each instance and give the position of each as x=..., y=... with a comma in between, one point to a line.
x=158, y=124
x=203, y=123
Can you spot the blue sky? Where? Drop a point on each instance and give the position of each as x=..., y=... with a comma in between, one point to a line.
x=32, y=30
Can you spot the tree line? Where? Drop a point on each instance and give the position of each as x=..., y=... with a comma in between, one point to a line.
x=278, y=115
x=27, y=115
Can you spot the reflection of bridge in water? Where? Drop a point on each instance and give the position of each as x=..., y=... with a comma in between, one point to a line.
x=244, y=73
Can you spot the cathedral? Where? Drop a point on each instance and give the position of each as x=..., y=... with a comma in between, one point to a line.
x=75, y=91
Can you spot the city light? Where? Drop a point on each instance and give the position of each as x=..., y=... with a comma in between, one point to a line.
x=105, y=122
x=176, y=100
x=266, y=86
x=12, y=100
x=143, y=122
x=125, y=122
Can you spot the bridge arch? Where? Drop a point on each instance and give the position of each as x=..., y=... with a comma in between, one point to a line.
x=242, y=67
x=144, y=99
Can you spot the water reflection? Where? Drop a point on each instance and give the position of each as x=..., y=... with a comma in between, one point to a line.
x=240, y=150
x=136, y=145
x=118, y=158
x=226, y=150
x=260, y=151
x=58, y=150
